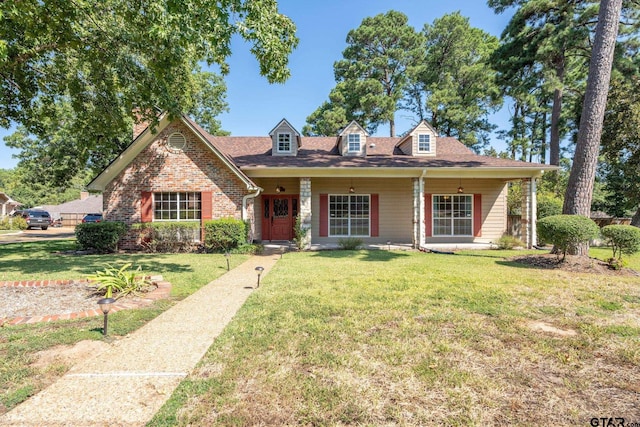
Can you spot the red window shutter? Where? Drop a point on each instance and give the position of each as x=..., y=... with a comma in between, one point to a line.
x=146, y=206
x=324, y=215
x=428, y=215
x=375, y=230
x=477, y=215
x=206, y=205
x=206, y=210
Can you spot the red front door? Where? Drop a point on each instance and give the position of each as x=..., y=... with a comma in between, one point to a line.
x=278, y=217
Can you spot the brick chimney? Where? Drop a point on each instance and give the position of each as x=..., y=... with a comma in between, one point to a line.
x=84, y=195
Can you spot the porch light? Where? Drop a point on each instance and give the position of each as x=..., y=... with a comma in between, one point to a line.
x=460, y=188
x=352, y=190
x=259, y=270
x=105, y=306
x=279, y=189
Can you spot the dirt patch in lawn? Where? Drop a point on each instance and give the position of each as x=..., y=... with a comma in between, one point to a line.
x=572, y=263
x=68, y=355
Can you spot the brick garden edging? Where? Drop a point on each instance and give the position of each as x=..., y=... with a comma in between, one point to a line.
x=163, y=289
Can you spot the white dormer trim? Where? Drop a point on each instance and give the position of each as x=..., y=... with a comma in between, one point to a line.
x=347, y=140
x=284, y=128
x=415, y=144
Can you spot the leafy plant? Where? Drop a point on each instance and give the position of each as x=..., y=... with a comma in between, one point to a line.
x=509, y=242
x=121, y=281
x=567, y=231
x=624, y=239
x=299, y=234
x=13, y=223
x=224, y=234
x=102, y=237
x=172, y=237
x=350, y=243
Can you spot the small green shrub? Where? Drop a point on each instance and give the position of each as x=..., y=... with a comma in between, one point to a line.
x=224, y=234
x=13, y=223
x=102, y=237
x=624, y=239
x=121, y=281
x=567, y=231
x=299, y=234
x=509, y=242
x=350, y=243
x=548, y=205
x=172, y=237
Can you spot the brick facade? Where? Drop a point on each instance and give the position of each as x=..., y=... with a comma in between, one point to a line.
x=159, y=168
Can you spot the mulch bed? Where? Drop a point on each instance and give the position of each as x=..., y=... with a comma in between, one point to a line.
x=572, y=263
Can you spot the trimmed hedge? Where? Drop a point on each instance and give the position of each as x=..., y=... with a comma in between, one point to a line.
x=13, y=223
x=169, y=236
x=567, y=231
x=224, y=234
x=102, y=237
x=624, y=239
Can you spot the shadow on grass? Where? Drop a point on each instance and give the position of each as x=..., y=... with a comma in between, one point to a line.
x=46, y=258
x=362, y=255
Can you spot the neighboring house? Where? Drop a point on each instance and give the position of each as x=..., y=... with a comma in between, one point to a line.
x=419, y=189
x=71, y=213
x=7, y=205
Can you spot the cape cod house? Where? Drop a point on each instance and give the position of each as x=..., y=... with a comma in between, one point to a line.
x=419, y=189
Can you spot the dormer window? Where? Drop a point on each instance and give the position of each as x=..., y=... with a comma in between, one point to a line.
x=424, y=143
x=354, y=143
x=284, y=143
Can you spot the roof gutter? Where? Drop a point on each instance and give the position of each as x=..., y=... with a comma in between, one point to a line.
x=246, y=198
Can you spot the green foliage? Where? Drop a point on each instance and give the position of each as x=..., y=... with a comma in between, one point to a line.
x=172, y=237
x=567, y=231
x=13, y=223
x=350, y=243
x=121, y=281
x=455, y=87
x=624, y=239
x=509, y=242
x=224, y=234
x=102, y=237
x=371, y=77
x=299, y=234
x=548, y=205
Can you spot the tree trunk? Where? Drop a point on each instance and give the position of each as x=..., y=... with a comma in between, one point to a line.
x=554, y=142
x=543, y=143
x=392, y=128
x=635, y=221
x=577, y=200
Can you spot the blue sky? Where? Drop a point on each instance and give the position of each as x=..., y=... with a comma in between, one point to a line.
x=256, y=106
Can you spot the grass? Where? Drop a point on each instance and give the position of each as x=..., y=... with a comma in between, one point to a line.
x=20, y=344
x=404, y=338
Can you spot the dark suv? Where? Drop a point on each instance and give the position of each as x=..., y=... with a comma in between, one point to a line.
x=92, y=217
x=36, y=218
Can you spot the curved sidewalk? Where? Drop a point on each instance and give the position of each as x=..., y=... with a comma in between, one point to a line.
x=129, y=382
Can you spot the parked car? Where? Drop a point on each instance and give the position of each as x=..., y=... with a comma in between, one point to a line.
x=35, y=218
x=92, y=217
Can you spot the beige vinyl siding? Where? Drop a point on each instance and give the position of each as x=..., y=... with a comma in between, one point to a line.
x=284, y=128
x=422, y=128
x=395, y=206
x=406, y=145
x=494, y=206
x=344, y=140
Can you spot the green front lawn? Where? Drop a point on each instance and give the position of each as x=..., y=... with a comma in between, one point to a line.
x=19, y=379
x=406, y=338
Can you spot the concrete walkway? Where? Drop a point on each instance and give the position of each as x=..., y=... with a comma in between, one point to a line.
x=129, y=382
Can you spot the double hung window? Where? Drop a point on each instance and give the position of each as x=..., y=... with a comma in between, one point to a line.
x=177, y=206
x=453, y=215
x=349, y=215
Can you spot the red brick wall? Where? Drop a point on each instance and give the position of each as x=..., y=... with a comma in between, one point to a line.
x=159, y=169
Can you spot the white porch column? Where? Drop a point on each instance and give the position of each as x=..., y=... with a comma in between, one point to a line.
x=418, y=212
x=529, y=208
x=305, y=208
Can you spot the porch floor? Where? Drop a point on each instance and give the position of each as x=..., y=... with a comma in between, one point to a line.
x=279, y=246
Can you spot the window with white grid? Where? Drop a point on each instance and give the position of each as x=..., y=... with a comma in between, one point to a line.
x=354, y=143
x=284, y=142
x=424, y=143
x=349, y=215
x=177, y=206
x=452, y=215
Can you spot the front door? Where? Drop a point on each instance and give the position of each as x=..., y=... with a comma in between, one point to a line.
x=278, y=217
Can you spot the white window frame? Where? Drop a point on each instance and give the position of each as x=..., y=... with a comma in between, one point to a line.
x=349, y=218
x=181, y=208
x=283, y=141
x=451, y=216
x=427, y=142
x=352, y=140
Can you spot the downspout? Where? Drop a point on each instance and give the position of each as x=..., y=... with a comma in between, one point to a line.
x=421, y=237
x=244, y=207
